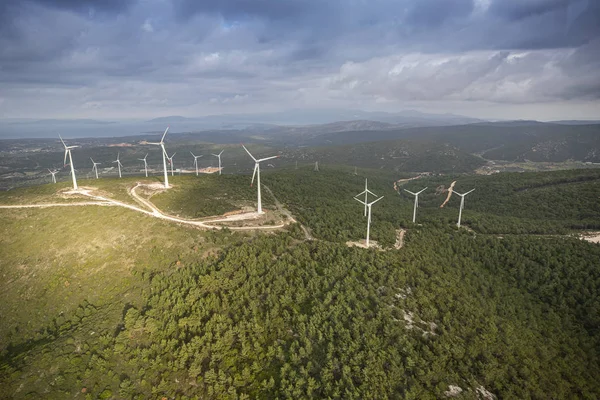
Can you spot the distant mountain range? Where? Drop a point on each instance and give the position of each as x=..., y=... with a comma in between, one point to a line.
x=290, y=120
x=503, y=140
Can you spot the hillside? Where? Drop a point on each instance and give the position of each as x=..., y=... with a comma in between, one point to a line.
x=533, y=141
x=398, y=156
x=120, y=305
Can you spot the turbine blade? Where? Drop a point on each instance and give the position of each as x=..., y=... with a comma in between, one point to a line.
x=268, y=158
x=469, y=192
x=164, y=134
x=66, y=151
x=360, y=201
x=192, y=154
x=221, y=152
x=249, y=153
x=254, y=173
x=414, y=194
x=373, y=202
x=63, y=142
x=422, y=191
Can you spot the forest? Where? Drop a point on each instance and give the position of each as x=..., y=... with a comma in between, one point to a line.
x=241, y=316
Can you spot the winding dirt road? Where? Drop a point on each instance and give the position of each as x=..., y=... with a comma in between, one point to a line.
x=153, y=211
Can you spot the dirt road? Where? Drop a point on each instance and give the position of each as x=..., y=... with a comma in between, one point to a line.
x=152, y=210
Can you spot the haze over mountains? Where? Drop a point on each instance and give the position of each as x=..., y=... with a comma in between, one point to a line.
x=292, y=122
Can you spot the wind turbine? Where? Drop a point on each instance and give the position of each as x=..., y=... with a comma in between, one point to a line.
x=53, y=173
x=164, y=153
x=118, y=164
x=145, y=163
x=462, y=204
x=219, y=157
x=95, y=168
x=171, y=162
x=195, y=161
x=368, y=205
x=316, y=165
x=257, y=169
x=366, y=193
x=68, y=151
x=416, y=202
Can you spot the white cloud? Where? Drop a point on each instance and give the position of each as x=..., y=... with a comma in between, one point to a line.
x=147, y=26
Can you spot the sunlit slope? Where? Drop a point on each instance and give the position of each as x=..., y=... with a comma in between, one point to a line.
x=209, y=195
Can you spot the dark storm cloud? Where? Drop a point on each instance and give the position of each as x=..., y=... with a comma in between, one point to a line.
x=107, y=6
x=231, y=52
x=521, y=9
x=242, y=9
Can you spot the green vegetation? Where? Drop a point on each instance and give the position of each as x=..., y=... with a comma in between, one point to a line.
x=208, y=195
x=396, y=155
x=103, y=302
x=541, y=203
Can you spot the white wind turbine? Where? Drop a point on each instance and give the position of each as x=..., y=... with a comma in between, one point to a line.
x=53, y=173
x=171, y=162
x=257, y=169
x=68, y=151
x=195, y=161
x=219, y=157
x=145, y=164
x=164, y=153
x=95, y=168
x=118, y=163
x=416, y=202
x=366, y=193
x=368, y=205
x=462, y=204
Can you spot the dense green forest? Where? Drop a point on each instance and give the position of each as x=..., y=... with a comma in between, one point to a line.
x=274, y=317
x=188, y=314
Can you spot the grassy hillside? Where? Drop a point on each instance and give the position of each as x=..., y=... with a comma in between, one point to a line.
x=103, y=302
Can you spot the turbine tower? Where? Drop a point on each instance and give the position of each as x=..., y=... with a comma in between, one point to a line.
x=219, y=157
x=171, y=162
x=462, y=204
x=95, y=168
x=195, y=161
x=164, y=154
x=368, y=205
x=366, y=193
x=416, y=202
x=53, y=173
x=68, y=151
x=145, y=164
x=316, y=165
x=257, y=169
x=118, y=163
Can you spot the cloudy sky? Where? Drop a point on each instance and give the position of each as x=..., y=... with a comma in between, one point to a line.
x=148, y=58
